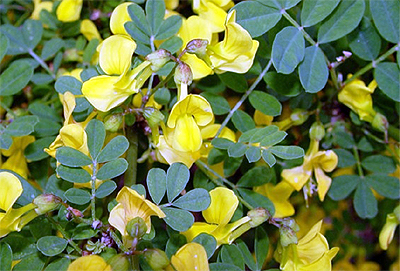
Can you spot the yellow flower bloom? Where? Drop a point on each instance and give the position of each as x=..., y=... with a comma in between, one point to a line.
x=69, y=10
x=213, y=11
x=16, y=159
x=38, y=6
x=89, y=30
x=217, y=216
x=357, y=96
x=310, y=253
x=119, y=17
x=13, y=219
x=191, y=256
x=279, y=195
x=131, y=205
x=89, y=263
x=261, y=119
x=315, y=161
x=387, y=232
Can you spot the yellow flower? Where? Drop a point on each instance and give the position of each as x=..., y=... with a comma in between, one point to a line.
x=131, y=205
x=357, y=96
x=387, y=232
x=39, y=6
x=13, y=219
x=105, y=92
x=119, y=17
x=310, y=253
x=69, y=10
x=16, y=159
x=89, y=30
x=191, y=256
x=315, y=161
x=89, y=263
x=261, y=119
x=217, y=216
x=279, y=195
x=212, y=11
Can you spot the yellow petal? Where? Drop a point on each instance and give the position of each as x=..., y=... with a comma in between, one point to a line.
x=387, y=232
x=10, y=191
x=211, y=13
x=15, y=219
x=224, y=233
x=89, y=263
x=17, y=163
x=262, y=119
x=115, y=54
x=119, y=17
x=223, y=204
x=74, y=136
x=211, y=130
x=328, y=160
x=191, y=256
x=89, y=30
x=68, y=106
x=194, y=27
x=187, y=136
x=198, y=228
x=69, y=10
x=39, y=6
x=199, y=68
x=296, y=176
x=323, y=263
x=117, y=218
x=324, y=182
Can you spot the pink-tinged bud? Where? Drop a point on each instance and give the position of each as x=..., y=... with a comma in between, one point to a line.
x=317, y=131
x=380, y=122
x=153, y=116
x=258, y=216
x=287, y=236
x=46, y=203
x=183, y=74
x=112, y=123
x=197, y=47
x=156, y=258
x=158, y=59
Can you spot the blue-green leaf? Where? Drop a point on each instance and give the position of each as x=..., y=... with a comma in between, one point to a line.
x=137, y=15
x=265, y=103
x=4, y=43
x=313, y=71
x=157, y=184
x=287, y=152
x=15, y=77
x=386, y=186
x=177, y=219
x=169, y=27
x=105, y=189
x=261, y=246
x=237, y=149
x=114, y=149
x=208, y=242
x=364, y=201
x=253, y=154
x=243, y=121
x=155, y=11
x=6, y=256
x=342, y=186
x=96, y=135
x=71, y=157
x=231, y=254
x=177, y=178
x=68, y=83
x=379, y=164
x=77, y=196
x=112, y=169
x=364, y=41
x=51, y=245
x=73, y=175
x=195, y=200
x=386, y=18
x=387, y=76
x=315, y=11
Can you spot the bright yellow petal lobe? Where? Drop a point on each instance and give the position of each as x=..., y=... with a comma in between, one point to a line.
x=187, y=134
x=191, y=256
x=69, y=10
x=89, y=263
x=119, y=17
x=89, y=30
x=10, y=191
x=39, y=6
x=223, y=204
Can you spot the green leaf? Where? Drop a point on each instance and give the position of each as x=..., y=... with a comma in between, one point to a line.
x=208, y=242
x=155, y=11
x=51, y=47
x=342, y=186
x=273, y=139
x=261, y=246
x=73, y=175
x=32, y=31
x=68, y=83
x=71, y=157
x=219, y=104
x=281, y=4
x=247, y=256
x=346, y=158
x=237, y=150
x=46, y=127
x=231, y=254
x=22, y=126
x=315, y=11
x=58, y=265
x=364, y=41
x=256, y=135
x=224, y=267
x=173, y=44
x=57, y=186
x=51, y=245
x=221, y=143
x=33, y=262
x=364, y=201
x=313, y=71
x=234, y=81
x=179, y=220
x=231, y=164
x=257, y=200
x=195, y=200
x=114, y=149
x=112, y=169
x=256, y=18
x=41, y=110
x=379, y=164
x=42, y=79
x=5, y=141
x=344, y=139
x=386, y=18
x=105, y=189
x=157, y=184
x=386, y=186
x=287, y=152
x=288, y=49
x=169, y=27
x=284, y=84
x=4, y=43
x=243, y=121
x=90, y=50
x=175, y=242
x=215, y=156
x=6, y=256
x=77, y=196
x=162, y=96
x=96, y=135
x=140, y=189
x=257, y=176
x=268, y=157
x=16, y=41
x=15, y=77
x=133, y=30
x=137, y=15
x=177, y=178
x=365, y=145
x=83, y=231
x=343, y=20
x=387, y=76
x=35, y=150
x=265, y=103
x=253, y=154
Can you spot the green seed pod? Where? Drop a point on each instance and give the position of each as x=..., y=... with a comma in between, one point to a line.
x=156, y=258
x=136, y=228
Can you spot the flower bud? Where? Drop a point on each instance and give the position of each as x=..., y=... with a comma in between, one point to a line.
x=291, y=223
x=380, y=122
x=113, y=122
x=258, y=216
x=72, y=55
x=156, y=258
x=197, y=47
x=299, y=116
x=153, y=116
x=136, y=227
x=119, y=262
x=317, y=131
x=46, y=203
x=287, y=236
x=183, y=74
x=158, y=59
x=387, y=232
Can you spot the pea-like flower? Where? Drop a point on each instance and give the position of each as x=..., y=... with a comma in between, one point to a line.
x=69, y=10
x=387, y=232
x=191, y=256
x=89, y=263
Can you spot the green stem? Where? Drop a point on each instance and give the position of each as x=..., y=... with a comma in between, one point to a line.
x=162, y=83
x=244, y=97
x=41, y=62
x=360, y=171
x=131, y=156
x=93, y=196
x=116, y=239
x=373, y=64
x=64, y=234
